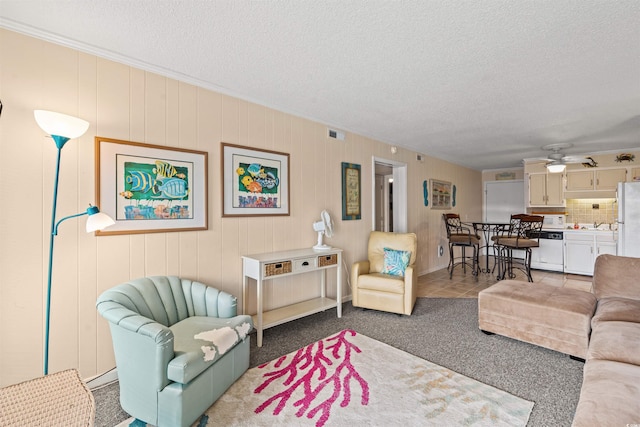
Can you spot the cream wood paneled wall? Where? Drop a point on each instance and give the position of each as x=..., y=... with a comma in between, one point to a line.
x=130, y=104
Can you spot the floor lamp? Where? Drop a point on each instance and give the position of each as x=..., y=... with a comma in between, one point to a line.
x=62, y=128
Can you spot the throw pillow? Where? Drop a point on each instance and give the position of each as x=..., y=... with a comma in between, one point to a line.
x=395, y=261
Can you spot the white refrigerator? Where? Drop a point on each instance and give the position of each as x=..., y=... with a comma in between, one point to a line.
x=629, y=219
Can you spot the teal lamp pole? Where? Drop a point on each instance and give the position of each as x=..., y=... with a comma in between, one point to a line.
x=62, y=128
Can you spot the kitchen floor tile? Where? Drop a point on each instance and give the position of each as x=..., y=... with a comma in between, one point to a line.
x=438, y=285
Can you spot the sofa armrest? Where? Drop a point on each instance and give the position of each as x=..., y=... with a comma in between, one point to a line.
x=130, y=320
x=410, y=277
x=143, y=349
x=357, y=269
x=410, y=285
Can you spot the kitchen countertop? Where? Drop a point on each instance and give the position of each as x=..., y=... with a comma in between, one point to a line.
x=590, y=230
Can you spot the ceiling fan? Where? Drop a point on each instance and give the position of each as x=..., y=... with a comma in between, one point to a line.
x=557, y=160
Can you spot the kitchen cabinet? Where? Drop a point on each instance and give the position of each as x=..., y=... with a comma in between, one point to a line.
x=604, y=246
x=598, y=180
x=579, y=180
x=546, y=189
x=581, y=248
x=608, y=179
x=578, y=253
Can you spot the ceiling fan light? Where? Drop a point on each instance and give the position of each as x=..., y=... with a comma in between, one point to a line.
x=555, y=167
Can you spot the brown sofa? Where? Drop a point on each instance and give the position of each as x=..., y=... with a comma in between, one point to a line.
x=602, y=327
x=610, y=394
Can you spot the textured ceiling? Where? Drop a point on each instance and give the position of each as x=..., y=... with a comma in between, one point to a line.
x=483, y=84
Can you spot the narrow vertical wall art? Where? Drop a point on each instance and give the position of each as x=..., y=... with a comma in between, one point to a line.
x=351, y=202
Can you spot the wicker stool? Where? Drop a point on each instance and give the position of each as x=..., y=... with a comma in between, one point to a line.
x=59, y=399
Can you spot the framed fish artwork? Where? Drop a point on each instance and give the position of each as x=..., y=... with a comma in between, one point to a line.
x=150, y=188
x=254, y=182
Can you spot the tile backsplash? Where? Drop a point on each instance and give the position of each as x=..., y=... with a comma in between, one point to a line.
x=588, y=211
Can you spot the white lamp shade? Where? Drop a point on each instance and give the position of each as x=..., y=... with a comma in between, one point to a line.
x=99, y=221
x=555, y=167
x=60, y=124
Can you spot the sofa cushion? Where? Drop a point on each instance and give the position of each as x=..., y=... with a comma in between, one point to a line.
x=616, y=276
x=616, y=341
x=609, y=395
x=615, y=308
x=200, y=341
x=382, y=282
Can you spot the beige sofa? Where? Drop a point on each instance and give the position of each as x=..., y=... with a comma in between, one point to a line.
x=602, y=327
x=610, y=394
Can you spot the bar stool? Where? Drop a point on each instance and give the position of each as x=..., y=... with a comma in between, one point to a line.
x=509, y=230
x=462, y=237
x=524, y=238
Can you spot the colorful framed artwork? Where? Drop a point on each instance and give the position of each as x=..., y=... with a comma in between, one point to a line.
x=254, y=182
x=441, y=195
x=351, y=202
x=150, y=188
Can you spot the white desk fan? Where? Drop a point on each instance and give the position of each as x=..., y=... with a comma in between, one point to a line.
x=323, y=227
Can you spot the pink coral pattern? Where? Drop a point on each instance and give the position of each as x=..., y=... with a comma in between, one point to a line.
x=311, y=371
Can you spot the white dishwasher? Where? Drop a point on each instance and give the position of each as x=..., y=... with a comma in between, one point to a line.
x=550, y=254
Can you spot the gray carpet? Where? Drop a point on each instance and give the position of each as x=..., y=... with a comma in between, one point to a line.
x=443, y=331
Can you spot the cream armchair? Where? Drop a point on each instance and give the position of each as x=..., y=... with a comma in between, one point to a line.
x=382, y=284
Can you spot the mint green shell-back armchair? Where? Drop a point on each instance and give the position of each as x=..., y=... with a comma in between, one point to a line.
x=179, y=345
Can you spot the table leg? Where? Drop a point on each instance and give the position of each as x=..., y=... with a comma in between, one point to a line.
x=485, y=229
x=244, y=294
x=339, y=286
x=259, y=314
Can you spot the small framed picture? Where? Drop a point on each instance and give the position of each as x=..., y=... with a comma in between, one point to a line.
x=254, y=182
x=150, y=188
x=440, y=194
x=351, y=201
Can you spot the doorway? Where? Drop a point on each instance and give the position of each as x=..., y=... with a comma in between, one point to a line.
x=389, y=195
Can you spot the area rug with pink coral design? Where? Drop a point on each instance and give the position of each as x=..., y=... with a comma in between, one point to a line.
x=349, y=379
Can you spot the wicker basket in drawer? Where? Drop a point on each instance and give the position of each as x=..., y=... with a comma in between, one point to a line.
x=276, y=268
x=325, y=260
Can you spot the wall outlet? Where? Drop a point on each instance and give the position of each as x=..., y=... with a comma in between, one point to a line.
x=440, y=251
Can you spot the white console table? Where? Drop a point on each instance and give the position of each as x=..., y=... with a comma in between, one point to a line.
x=274, y=265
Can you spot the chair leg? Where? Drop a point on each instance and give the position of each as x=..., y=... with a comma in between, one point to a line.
x=510, y=258
x=451, y=264
x=475, y=265
x=473, y=260
x=528, y=264
x=501, y=262
x=464, y=260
